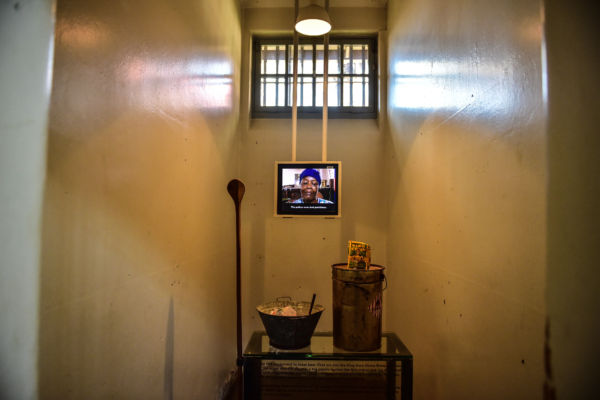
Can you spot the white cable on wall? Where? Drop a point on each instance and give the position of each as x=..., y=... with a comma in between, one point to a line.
x=295, y=87
x=325, y=70
x=325, y=83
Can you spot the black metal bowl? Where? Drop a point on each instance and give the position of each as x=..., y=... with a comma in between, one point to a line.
x=290, y=332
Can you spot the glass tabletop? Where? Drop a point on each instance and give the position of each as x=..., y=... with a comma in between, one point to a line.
x=321, y=347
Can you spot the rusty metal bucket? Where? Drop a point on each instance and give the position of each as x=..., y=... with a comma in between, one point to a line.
x=290, y=332
x=357, y=307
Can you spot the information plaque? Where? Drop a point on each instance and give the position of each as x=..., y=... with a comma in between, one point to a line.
x=322, y=371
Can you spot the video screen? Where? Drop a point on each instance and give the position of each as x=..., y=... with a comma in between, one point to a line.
x=308, y=188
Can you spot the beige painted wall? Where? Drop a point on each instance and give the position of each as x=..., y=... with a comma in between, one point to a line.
x=467, y=193
x=26, y=37
x=138, y=268
x=135, y=253
x=293, y=257
x=573, y=292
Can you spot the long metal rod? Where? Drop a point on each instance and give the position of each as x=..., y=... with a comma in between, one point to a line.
x=236, y=190
x=238, y=283
x=295, y=86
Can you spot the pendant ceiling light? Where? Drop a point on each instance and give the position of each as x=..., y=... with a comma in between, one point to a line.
x=313, y=21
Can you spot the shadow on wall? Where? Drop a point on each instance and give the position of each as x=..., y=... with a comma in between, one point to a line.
x=169, y=356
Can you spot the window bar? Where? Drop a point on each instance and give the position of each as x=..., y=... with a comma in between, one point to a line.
x=276, y=75
x=351, y=75
x=363, y=79
x=286, y=79
x=341, y=82
x=263, y=78
x=301, y=60
x=301, y=83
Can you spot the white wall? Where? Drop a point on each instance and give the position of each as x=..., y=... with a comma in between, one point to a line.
x=467, y=163
x=26, y=39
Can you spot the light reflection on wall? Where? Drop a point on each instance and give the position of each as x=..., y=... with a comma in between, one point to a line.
x=82, y=35
x=449, y=85
x=204, y=84
x=111, y=72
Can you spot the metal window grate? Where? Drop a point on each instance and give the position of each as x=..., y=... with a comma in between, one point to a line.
x=351, y=77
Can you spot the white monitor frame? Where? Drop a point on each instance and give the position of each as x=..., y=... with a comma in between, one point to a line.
x=283, y=209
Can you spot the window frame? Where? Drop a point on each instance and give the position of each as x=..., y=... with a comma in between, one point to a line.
x=333, y=112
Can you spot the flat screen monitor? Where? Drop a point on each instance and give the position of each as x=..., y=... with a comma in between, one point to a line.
x=308, y=188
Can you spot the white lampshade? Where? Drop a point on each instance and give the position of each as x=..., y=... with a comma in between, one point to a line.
x=313, y=21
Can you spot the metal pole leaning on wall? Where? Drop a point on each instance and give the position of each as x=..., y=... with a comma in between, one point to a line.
x=295, y=87
x=325, y=97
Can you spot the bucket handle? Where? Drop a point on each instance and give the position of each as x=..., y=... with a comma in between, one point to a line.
x=360, y=287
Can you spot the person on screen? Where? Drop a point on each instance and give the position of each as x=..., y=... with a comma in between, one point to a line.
x=310, y=180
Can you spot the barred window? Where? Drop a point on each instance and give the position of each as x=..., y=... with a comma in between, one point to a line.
x=352, y=78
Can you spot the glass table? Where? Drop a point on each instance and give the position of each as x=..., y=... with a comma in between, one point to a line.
x=323, y=371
